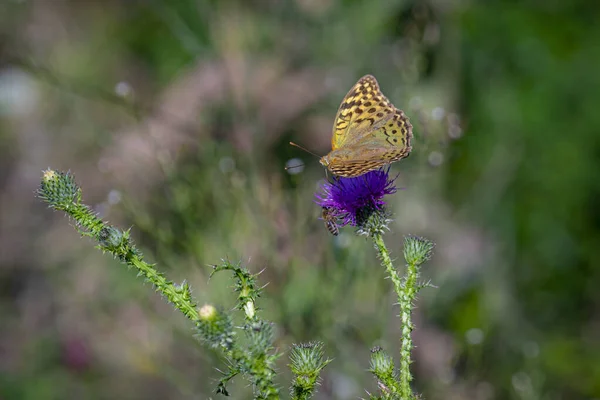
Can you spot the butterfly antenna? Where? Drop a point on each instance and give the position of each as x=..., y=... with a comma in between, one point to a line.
x=294, y=166
x=302, y=148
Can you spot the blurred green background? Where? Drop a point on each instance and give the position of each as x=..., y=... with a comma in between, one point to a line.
x=175, y=118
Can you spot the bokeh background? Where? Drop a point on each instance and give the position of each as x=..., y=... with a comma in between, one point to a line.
x=175, y=117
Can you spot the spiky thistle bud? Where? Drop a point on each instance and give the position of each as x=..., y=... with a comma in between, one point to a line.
x=214, y=327
x=59, y=190
x=307, y=361
x=382, y=366
x=417, y=250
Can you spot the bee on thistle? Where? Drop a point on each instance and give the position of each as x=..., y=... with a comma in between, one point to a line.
x=330, y=221
x=348, y=201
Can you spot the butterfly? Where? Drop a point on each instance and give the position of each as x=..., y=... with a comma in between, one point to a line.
x=330, y=221
x=368, y=132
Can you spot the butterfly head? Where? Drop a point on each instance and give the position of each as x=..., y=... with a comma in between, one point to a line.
x=325, y=161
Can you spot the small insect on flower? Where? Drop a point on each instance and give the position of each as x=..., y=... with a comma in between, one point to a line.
x=349, y=201
x=330, y=221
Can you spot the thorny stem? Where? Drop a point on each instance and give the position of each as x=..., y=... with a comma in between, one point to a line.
x=167, y=289
x=256, y=361
x=386, y=261
x=406, y=304
x=406, y=292
x=61, y=193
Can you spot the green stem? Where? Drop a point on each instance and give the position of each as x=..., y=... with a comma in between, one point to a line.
x=406, y=292
x=307, y=361
x=256, y=361
x=386, y=261
x=61, y=192
x=179, y=298
x=406, y=304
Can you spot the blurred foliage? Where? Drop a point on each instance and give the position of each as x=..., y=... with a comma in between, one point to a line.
x=175, y=115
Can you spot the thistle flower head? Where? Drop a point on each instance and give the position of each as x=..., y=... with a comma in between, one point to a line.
x=307, y=361
x=207, y=312
x=354, y=200
x=215, y=328
x=417, y=250
x=59, y=189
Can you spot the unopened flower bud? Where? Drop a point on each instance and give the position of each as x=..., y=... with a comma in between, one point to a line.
x=417, y=250
x=207, y=312
x=249, y=309
x=59, y=189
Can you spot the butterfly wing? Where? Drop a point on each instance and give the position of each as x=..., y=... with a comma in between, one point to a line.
x=388, y=143
x=349, y=169
x=363, y=109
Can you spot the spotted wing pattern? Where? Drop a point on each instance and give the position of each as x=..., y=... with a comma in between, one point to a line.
x=369, y=132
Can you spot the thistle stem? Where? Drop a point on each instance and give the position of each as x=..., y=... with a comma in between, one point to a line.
x=255, y=358
x=386, y=261
x=178, y=296
x=406, y=301
x=61, y=193
x=406, y=292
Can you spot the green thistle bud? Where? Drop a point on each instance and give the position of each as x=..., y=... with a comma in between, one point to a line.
x=306, y=363
x=373, y=221
x=382, y=366
x=110, y=238
x=215, y=328
x=260, y=335
x=381, y=363
x=207, y=312
x=307, y=358
x=59, y=190
x=417, y=250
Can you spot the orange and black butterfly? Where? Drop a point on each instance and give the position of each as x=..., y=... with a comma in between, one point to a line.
x=368, y=132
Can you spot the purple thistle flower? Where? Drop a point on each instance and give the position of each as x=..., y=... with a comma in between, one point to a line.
x=353, y=200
